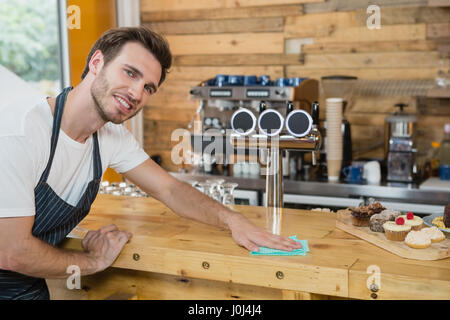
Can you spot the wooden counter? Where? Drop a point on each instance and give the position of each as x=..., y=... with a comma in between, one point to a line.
x=175, y=258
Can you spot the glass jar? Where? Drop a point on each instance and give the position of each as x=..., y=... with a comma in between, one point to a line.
x=205, y=188
x=228, y=196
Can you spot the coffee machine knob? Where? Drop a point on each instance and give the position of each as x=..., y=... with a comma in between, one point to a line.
x=299, y=123
x=270, y=122
x=243, y=121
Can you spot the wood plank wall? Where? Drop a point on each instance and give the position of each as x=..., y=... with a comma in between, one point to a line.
x=299, y=38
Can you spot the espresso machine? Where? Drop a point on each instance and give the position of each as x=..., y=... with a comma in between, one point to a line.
x=220, y=97
x=400, y=145
x=260, y=117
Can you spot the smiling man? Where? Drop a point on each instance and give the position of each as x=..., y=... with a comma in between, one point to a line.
x=55, y=151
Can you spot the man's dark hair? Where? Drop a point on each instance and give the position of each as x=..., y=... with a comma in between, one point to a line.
x=112, y=41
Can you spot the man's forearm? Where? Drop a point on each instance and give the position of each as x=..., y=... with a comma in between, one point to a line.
x=37, y=258
x=191, y=203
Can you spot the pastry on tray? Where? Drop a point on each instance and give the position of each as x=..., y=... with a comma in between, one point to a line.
x=361, y=215
x=439, y=222
x=415, y=222
x=377, y=220
x=418, y=240
x=396, y=230
x=434, y=233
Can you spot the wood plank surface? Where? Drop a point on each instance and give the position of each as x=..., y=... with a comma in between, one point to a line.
x=400, y=280
x=218, y=26
x=385, y=33
x=169, y=245
x=201, y=73
x=374, y=60
x=166, y=157
x=224, y=13
x=169, y=5
x=172, y=245
x=325, y=24
x=157, y=286
x=229, y=43
x=438, y=31
x=377, y=46
x=439, y=3
x=363, y=73
x=349, y=5
x=219, y=60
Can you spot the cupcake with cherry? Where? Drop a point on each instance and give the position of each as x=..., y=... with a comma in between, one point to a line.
x=415, y=222
x=396, y=230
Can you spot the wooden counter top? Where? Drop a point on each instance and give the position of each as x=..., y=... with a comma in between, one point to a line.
x=336, y=265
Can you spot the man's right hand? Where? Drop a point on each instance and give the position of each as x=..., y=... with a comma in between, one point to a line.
x=105, y=244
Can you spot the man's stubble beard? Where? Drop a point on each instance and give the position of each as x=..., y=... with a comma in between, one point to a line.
x=99, y=92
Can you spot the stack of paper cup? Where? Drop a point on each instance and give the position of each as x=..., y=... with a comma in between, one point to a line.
x=334, y=137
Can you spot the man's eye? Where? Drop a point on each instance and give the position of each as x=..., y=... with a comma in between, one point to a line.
x=149, y=90
x=129, y=73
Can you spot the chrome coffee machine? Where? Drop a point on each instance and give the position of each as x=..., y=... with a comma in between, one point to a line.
x=401, y=146
x=220, y=97
x=265, y=116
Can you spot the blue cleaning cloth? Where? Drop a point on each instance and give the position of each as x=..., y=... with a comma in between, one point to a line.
x=274, y=252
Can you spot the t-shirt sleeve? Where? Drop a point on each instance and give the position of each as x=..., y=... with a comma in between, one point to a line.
x=128, y=154
x=17, y=177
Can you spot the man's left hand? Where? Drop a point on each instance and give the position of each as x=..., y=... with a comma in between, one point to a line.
x=251, y=237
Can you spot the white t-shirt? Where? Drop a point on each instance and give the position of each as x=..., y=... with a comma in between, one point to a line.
x=25, y=133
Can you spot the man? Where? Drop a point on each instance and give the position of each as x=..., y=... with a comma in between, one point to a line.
x=54, y=152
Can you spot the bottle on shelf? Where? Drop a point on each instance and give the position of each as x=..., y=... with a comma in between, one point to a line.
x=434, y=158
x=444, y=159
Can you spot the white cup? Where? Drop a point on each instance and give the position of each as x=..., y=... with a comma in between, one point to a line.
x=372, y=172
x=245, y=169
x=237, y=169
x=254, y=169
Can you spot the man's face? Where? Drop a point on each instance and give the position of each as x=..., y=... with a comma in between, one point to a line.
x=123, y=86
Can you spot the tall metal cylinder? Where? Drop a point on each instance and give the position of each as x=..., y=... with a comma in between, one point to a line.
x=274, y=190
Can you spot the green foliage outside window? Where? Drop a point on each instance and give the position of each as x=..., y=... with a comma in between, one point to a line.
x=29, y=43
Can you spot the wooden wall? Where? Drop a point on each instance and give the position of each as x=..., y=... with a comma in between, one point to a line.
x=300, y=38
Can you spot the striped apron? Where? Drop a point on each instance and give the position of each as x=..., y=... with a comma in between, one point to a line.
x=54, y=218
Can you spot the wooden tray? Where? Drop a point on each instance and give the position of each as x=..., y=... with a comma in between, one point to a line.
x=437, y=251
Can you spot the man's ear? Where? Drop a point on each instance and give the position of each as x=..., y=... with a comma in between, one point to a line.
x=96, y=62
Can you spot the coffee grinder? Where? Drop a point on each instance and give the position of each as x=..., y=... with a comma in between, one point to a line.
x=400, y=145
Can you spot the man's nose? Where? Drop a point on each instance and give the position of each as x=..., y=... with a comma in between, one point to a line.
x=136, y=92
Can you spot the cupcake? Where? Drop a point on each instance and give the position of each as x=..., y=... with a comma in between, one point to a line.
x=378, y=219
x=361, y=215
x=391, y=214
x=418, y=240
x=360, y=219
x=434, y=234
x=376, y=222
x=415, y=222
x=396, y=230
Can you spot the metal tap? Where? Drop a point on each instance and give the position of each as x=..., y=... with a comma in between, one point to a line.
x=272, y=147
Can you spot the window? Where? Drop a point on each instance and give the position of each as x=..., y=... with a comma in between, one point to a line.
x=30, y=42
